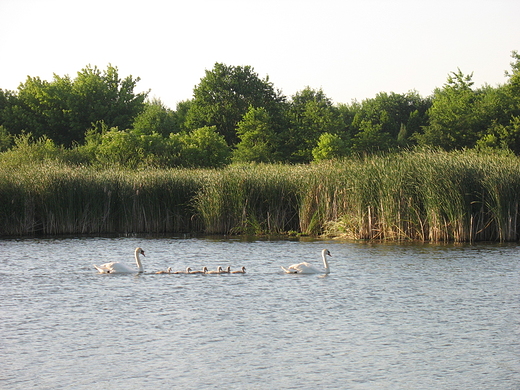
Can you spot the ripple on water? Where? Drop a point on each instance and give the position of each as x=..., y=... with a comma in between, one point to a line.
x=388, y=316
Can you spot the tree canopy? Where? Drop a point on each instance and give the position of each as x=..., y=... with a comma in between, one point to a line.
x=224, y=96
x=235, y=115
x=64, y=108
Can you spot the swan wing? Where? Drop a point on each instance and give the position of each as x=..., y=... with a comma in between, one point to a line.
x=102, y=269
x=114, y=267
x=309, y=269
x=302, y=268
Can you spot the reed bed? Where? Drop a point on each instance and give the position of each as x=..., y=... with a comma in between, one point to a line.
x=53, y=199
x=415, y=195
x=249, y=199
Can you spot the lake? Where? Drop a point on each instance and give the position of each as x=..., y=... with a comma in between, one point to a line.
x=388, y=316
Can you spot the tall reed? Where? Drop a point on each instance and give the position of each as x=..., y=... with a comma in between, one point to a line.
x=56, y=199
x=248, y=199
x=501, y=196
x=415, y=195
x=435, y=196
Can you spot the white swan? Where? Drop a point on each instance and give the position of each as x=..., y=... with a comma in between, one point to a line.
x=306, y=268
x=218, y=271
x=116, y=267
x=187, y=271
x=203, y=271
x=240, y=271
x=169, y=270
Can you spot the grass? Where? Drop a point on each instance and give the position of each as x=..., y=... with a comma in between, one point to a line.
x=415, y=195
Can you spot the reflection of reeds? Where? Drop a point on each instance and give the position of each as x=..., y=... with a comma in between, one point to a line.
x=421, y=195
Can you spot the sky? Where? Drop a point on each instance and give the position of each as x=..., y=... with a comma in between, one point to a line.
x=352, y=50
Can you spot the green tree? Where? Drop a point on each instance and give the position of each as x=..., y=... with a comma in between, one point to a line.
x=225, y=94
x=504, y=137
x=120, y=147
x=29, y=150
x=330, y=146
x=459, y=115
x=502, y=106
x=181, y=113
x=6, y=139
x=156, y=118
x=258, y=141
x=371, y=138
x=398, y=115
x=311, y=113
x=103, y=95
x=39, y=108
x=203, y=147
x=63, y=109
x=512, y=87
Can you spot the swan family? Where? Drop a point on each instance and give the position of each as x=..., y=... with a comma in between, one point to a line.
x=117, y=267
x=300, y=268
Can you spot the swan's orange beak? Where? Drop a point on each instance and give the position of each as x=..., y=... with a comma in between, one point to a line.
x=142, y=252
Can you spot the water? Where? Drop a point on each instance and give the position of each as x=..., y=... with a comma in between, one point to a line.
x=389, y=316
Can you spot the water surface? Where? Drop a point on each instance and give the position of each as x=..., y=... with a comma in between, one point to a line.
x=388, y=316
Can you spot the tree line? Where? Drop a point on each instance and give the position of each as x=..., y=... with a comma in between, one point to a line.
x=237, y=116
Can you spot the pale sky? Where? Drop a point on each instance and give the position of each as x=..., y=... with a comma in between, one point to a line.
x=350, y=49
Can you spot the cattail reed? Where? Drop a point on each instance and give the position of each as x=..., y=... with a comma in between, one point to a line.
x=415, y=195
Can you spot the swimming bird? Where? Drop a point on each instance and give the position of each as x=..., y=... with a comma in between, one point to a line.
x=203, y=271
x=186, y=271
x=116, y=267
x=240, y=271
x=306, y=268
x=226, y=271
x=218, y=271
x=169, y=270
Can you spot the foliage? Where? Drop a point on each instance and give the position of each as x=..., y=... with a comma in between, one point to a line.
x=64, y=109
x=225, y=94
x=97, y=119
x=6, y=139
x=156, y=118
x=330, y=146
x=203, y=147
x=311, y=113
x=258, y=141
x=181, y=113
x=458, y=116
x=387, y=121
x=27, y=149
x=502, y=137
x=371, y=139
x=512, y=88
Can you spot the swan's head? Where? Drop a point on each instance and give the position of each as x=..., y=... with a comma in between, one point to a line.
x=169, y=269
x=243, y=269
x=326, y=252
x=219, y=269
x=188, y=270
x=139, y=251
x=228, y=269
x=204, y=269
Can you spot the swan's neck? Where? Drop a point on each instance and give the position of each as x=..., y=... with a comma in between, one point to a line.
x=325, y=263
x=138, y=262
